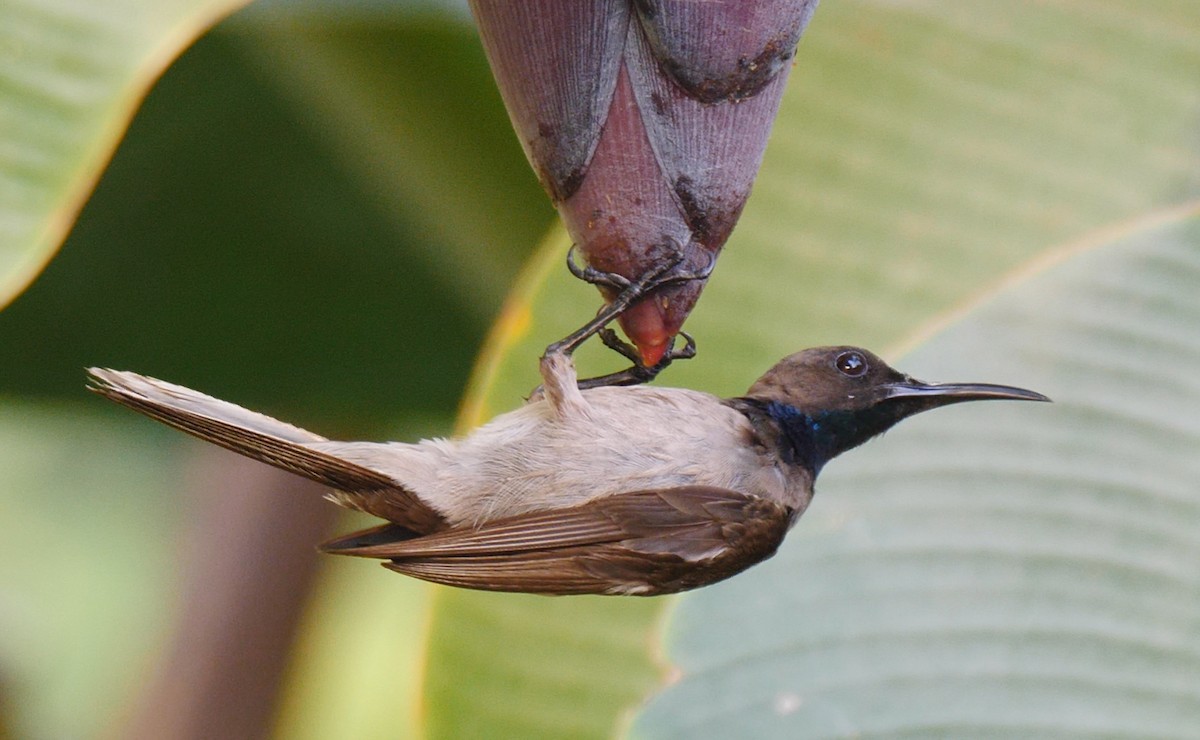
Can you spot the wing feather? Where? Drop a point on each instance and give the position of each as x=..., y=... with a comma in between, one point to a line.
x=643, y=542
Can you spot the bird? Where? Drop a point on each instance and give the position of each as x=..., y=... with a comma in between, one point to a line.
x=620, y=490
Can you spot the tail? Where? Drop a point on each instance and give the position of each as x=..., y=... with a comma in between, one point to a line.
x=268, y=440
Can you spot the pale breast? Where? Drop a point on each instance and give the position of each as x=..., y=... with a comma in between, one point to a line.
x=632, y=439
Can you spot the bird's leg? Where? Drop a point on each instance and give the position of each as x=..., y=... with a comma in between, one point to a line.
x=560, y=386
x=629, y=292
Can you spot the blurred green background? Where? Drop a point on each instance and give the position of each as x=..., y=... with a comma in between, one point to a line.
x=300, y=218
x=318, y=211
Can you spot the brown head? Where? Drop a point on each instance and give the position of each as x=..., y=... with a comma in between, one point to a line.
x=830, y=399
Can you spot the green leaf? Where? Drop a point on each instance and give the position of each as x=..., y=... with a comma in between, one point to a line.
x=531, y=666
x=999, y=569
x=235, y=243
x=926, y=148
x=430, y=146
x=72, y=73
x=239, y=216
x=517, y=665
x=923, y=150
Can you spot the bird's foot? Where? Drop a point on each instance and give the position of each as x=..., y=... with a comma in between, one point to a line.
x=638, y=373
x=666, y=272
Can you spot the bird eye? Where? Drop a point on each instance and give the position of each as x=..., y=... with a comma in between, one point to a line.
x=852, y=364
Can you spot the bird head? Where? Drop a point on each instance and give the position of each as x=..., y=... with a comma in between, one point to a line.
x=831, y=399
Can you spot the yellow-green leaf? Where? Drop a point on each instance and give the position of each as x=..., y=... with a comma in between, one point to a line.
x=991, y=570
x=924, y=150
x=72, y=73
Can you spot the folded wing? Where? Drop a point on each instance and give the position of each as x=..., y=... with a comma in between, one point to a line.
x=643, y=542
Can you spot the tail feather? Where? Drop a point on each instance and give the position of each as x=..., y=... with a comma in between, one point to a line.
x=265, y=439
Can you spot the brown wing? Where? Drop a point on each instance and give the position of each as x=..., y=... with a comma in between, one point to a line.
x=262, y=438
x=643, y=542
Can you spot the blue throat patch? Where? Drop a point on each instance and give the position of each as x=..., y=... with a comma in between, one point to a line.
x=815, y=439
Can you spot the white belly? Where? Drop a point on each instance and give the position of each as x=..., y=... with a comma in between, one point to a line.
x=633, y=439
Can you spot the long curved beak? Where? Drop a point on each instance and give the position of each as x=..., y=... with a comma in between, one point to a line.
x=940, y=394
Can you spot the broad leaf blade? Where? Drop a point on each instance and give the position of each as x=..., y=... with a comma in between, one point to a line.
x=430, y=147
x=923, y=150
x=217, y=226
x=565, y=667
x=532, y=666
x=991, y=568
x=72, y=73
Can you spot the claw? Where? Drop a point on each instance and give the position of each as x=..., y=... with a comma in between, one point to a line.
x=659, y=275
x=592, y=276
x=620, y=346
x=639, y=373
x=689, y=348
